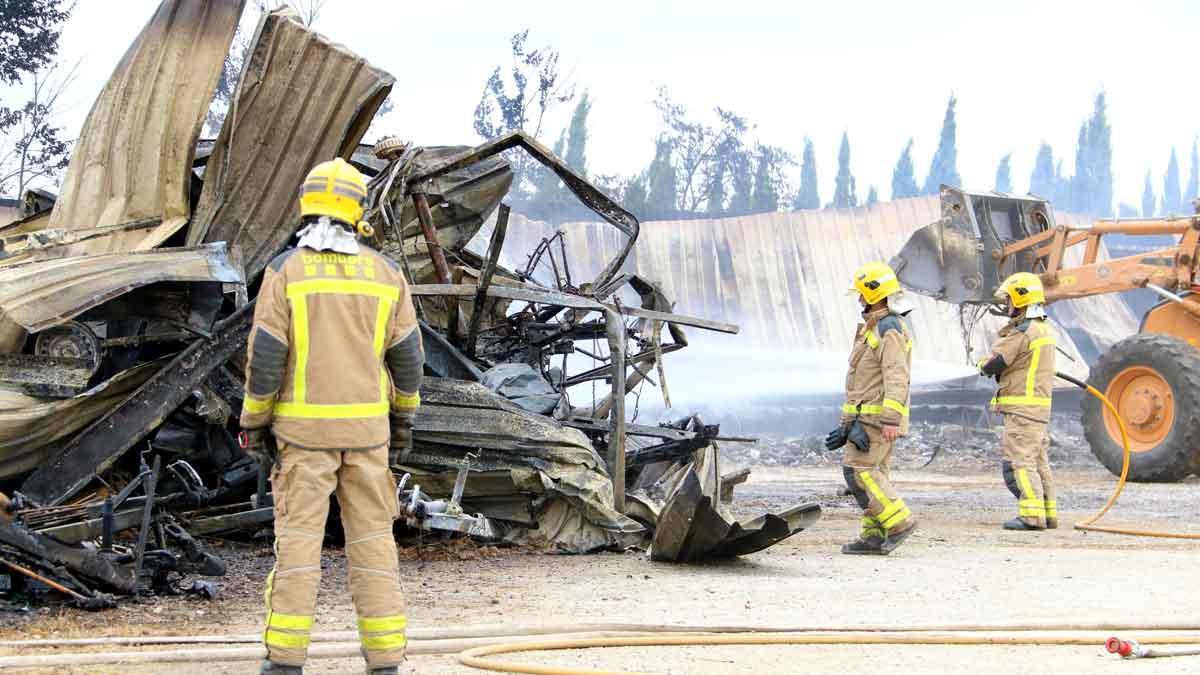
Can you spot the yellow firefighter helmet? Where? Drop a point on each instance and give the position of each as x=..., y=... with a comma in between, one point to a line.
x=875, y=281
x=1024, y=289
x=335, y=189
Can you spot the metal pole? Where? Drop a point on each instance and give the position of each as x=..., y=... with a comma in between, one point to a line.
x=421, y=201
x=615, y=329
x=485, y=279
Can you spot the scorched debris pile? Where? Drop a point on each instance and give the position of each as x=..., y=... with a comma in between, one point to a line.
x=124, y=314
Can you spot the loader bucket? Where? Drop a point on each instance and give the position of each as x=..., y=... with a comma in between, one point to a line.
x=955, y=258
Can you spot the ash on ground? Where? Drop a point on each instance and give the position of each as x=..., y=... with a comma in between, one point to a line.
x=951, y=447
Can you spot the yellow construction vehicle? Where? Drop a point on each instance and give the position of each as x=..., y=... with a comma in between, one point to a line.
x=1152, y=377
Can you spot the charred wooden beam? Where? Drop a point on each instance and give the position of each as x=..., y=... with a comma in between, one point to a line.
x=45, y=376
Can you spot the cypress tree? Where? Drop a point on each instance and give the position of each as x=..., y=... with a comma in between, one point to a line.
x=661, y=182
x=904, y=179
x=716, y=191
x=843, y=184
x=1100, y=175
x=1004, y=174
x=1148, y=199
x=943, y=170
x=765, y=197
x=807, y=196
x=1080, y=182
x=1171, y=200
x=1043, y=181
x=1192, y=191
x=577, y=136
x=872, y=196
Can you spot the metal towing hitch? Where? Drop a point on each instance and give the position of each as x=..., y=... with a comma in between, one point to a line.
x=420, y=511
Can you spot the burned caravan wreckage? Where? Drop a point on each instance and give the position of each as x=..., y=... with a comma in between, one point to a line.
x=124, y=315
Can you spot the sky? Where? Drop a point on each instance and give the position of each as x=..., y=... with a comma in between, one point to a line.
x=1023, y=71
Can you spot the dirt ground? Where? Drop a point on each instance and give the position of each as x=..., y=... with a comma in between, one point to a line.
x=959, y=567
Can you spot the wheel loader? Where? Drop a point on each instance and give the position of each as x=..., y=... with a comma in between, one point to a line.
x=1152, y=377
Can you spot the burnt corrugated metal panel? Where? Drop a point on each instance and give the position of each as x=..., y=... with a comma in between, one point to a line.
x=301, y=100
x=39, y=295
x=783, y=277
x=29, y=426
x=133, y=160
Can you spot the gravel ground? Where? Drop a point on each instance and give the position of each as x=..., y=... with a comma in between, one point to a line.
x=959, y=567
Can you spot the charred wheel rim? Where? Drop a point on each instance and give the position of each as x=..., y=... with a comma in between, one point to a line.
x=1147, y=404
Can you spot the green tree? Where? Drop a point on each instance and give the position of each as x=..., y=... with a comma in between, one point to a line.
x=872, y=196
x=1100, y=175
x=1192, y=191
x=770, y=181
x=742, y=176
x=1171, y=200
x=534, y=88
x=1148, y=199
x=807, y=196
x=943, y=170
x=716, y=190
x=29, y=33
x=33, y=146
x=1042, y=182
x=662, y=186
x=633, y=196
x=577, y=136
x=1081, y=181
x=904, y=179
x=843, y=184
x=1004, y=174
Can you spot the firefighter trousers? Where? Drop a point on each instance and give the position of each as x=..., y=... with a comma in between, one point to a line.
x=868, y=475
x=302, y=482
x=1026, y=470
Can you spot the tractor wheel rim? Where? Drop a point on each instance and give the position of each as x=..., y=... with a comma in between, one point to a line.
x=1147, y=405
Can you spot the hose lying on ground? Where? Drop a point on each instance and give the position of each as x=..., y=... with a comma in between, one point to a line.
x=500, y=640
x=1089, y=524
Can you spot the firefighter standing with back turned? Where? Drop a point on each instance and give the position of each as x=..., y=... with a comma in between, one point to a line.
x=875, y=413
x=1022, y=360
x=334, y=352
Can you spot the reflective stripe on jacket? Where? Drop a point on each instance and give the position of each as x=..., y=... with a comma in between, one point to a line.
x=334, y=347
x=1027, y=382
x=877, y=383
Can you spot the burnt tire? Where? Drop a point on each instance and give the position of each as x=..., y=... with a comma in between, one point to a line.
x=1178, y=364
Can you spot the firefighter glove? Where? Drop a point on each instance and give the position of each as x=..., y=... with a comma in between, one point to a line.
x=258, y=445
x=836, y=438
x=401, y=443
x=857, y=436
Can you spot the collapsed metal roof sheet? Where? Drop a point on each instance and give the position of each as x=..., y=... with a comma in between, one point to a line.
x=301, y=100
x=39, y=295
x=133, y=159
x=29, y=426
x=783, y=277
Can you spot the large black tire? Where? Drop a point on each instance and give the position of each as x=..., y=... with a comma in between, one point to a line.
x=1178, y=364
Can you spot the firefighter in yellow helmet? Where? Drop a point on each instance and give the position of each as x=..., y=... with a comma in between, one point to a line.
x=1022, y=361
x=332, y=381
x=875, y=413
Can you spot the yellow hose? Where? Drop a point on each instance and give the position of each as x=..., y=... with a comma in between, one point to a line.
x=477, y=657
x=1088, y=524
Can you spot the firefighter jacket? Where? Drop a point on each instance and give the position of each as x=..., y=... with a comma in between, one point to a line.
x=334, y=348
x=1024, y=359
x=877, y=383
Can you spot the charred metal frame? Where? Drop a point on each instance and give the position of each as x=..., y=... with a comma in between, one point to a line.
x=95, y=449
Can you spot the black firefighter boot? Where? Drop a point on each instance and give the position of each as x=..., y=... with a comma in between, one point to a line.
x=386, y=670
x=894, y=539
x=270, y=668
x=871, y=545
x=1020, y=525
